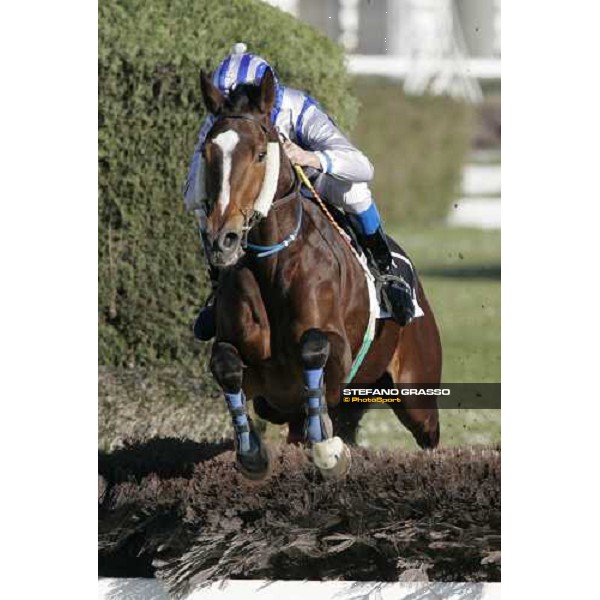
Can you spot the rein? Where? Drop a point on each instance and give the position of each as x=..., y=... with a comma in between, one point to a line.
x=263, y=251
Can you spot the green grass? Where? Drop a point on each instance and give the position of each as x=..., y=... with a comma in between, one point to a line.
x=460, y=271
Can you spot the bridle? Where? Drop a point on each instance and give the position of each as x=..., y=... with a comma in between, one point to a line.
x=266, y=197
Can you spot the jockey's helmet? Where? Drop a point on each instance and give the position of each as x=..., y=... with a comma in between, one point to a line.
x=241, y=67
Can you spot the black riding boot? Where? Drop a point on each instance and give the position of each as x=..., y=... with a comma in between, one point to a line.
x=205, y=325
x=397, y=290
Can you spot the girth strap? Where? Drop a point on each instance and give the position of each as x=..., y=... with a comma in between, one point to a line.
x=313, y=392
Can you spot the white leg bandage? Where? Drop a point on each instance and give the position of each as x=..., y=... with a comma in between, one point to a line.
x=327, y=453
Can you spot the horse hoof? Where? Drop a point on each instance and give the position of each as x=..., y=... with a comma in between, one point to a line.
x=256, y=466
x=332, y=457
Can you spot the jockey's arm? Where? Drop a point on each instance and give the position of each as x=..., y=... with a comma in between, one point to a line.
x=334, y=152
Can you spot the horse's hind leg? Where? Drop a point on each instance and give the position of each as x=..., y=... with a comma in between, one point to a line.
x=419, y=414
x=346, y=421
x=418, y=361
x=329, y=453
x=251, y=453
x=420, y=417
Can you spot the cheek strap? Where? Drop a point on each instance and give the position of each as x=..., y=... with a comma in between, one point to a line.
x=265, y=198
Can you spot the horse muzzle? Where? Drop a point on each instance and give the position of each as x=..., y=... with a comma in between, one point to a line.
x=226, y=249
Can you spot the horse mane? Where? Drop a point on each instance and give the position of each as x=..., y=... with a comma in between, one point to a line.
x=242, y=99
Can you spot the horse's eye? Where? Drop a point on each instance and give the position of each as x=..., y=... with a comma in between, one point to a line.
x=261, y=156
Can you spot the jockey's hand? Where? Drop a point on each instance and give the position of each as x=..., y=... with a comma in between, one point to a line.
x=301, y=157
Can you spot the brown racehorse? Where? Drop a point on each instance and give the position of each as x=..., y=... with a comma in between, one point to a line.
x=301, y=308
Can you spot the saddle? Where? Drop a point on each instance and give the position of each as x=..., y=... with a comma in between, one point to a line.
x=402, y=266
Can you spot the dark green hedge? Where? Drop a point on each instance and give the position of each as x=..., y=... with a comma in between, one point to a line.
x=151, y=277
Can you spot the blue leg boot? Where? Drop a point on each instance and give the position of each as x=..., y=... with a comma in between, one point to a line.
x=251, y=454
x=328, y=452
x=227, y=368
x=316, y=407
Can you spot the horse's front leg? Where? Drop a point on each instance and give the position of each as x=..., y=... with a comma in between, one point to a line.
x=251, y=454
x=329, y=453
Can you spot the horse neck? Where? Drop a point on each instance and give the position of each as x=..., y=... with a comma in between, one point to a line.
x=287, y=177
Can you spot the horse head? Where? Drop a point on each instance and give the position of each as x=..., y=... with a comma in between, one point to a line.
x=242, y=165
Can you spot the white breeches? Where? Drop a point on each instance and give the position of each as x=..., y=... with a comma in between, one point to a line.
x=353, y=198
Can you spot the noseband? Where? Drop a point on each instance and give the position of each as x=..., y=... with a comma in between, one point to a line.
x=252, y=217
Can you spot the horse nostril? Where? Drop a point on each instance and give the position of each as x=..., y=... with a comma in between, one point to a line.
x=229, y=240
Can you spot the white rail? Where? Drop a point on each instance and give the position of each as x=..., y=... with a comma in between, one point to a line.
x=388, y=65
x=151, y=589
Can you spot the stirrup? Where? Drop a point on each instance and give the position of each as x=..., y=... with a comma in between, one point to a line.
x=401, y=308
x=388, y=278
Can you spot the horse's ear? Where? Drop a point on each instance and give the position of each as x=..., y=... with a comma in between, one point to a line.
x=267, y=92
x=211, y=95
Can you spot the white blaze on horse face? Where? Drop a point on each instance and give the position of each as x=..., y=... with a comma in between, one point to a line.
x=227, y=141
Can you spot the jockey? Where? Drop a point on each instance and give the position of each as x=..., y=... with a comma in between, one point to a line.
x=339, y=172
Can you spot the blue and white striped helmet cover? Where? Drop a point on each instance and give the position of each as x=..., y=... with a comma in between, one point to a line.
x=241, y=67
